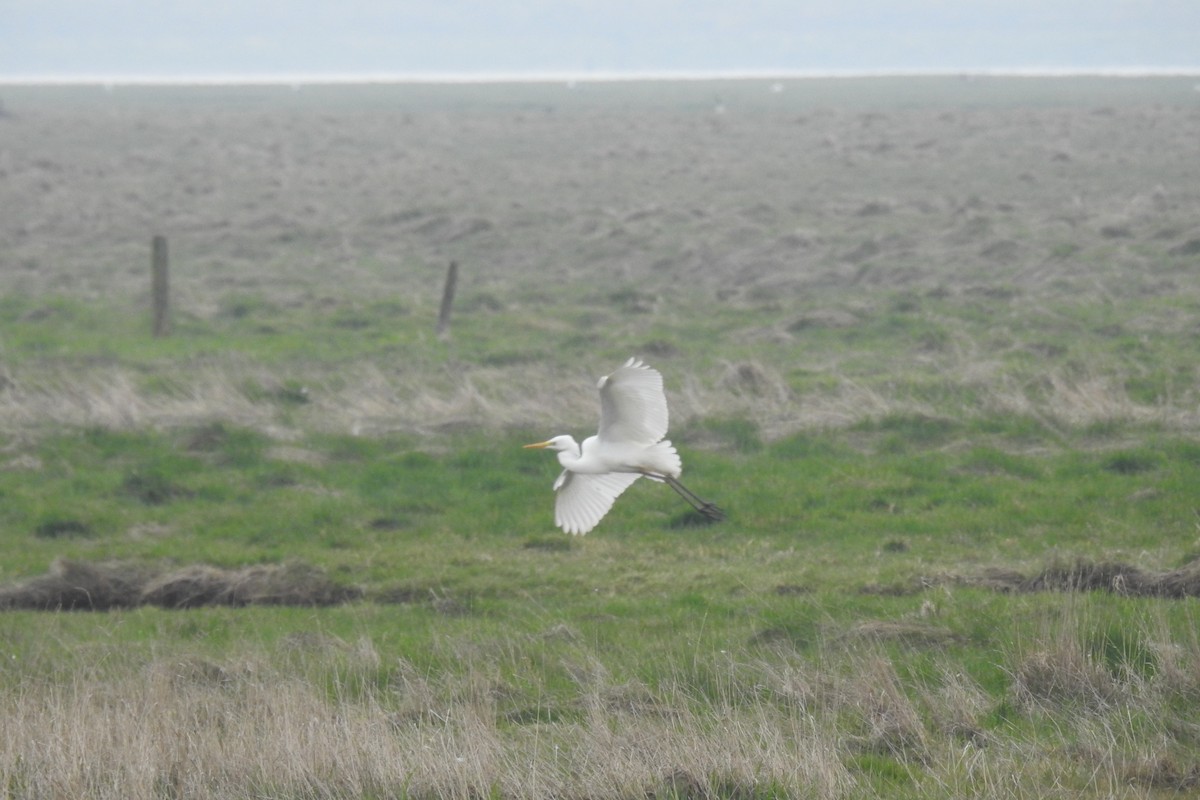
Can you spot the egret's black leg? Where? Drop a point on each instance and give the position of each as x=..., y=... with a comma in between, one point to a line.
x=709, y=510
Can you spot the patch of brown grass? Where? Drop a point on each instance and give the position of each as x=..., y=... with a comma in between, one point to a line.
x=1062, y=671
x=188, y=728
x=80, y=586
x=1085, y=576
x=329, y=718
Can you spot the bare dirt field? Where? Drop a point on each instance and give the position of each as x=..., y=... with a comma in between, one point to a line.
x=802, y=201
x=742, y=185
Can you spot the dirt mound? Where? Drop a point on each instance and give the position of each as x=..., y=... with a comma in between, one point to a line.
x=71, y=585
x=278, y=585
x=78, y=586
x=1087, y=576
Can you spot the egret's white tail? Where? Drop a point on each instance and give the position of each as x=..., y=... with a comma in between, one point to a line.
x=662, y=459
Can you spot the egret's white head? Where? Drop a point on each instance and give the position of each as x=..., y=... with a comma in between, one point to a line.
x=557, y=443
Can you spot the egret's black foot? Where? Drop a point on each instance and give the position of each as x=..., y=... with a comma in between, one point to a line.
x=703, y=507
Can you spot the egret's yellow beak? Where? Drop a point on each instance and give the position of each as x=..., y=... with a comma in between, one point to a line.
x=539, y=445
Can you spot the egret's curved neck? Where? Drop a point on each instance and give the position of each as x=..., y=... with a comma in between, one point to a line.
x=570, y=453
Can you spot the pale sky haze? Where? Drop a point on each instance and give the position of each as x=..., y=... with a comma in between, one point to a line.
x=219, y=38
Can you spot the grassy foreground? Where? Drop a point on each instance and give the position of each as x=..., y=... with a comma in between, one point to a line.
x=860, y=627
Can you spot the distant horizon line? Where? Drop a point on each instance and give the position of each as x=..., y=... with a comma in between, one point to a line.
x=570, y=77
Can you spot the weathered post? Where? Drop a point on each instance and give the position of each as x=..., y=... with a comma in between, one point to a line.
x=158, y=279
x=443, y=325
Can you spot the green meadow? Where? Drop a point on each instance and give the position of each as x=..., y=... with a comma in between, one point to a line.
x=294, y=549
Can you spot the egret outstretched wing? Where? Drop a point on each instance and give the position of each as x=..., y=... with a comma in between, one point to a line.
x=633, y=406
x=631, y=444
x=582, y=500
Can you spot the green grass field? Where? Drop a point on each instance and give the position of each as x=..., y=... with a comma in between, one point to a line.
x=958, y=449
x=838, y=635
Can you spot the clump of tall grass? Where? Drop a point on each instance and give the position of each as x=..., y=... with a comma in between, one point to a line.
x=433, y=396
x=318, y=716
x=337, y=724
x=72, y=585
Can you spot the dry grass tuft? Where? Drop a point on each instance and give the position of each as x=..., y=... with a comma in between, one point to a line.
x=72, y=585
x=1063, y=672
x=1087, y=576
x=913, y=633
x=958, y=707
x=364, y=399
x=193, y=728
x=1164, y=773
x=891, y=722
x=753, y=379
x=291, y=584
x=1120, y=579
x=1071, y=400
x=1084, y=576
x=330, y=718
x=76, y=585
x=110, y=397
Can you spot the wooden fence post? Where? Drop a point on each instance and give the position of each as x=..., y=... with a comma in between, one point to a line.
x=158, y=278
x=443, y=325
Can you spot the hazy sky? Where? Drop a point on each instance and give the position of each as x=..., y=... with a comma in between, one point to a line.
x=172, y=38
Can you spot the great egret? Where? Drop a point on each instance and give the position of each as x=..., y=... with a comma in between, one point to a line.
x=629, y=445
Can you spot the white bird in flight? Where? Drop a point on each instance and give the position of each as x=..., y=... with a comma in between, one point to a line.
x=629, y=445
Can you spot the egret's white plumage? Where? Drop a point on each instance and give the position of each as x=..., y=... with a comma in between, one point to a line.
x=630, y=444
